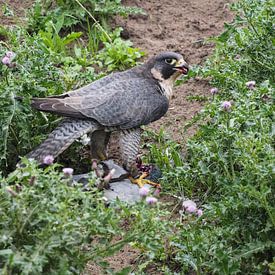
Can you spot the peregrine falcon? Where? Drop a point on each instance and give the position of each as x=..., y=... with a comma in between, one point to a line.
x=121, y=101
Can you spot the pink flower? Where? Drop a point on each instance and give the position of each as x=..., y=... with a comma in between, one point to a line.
x=143, y=191
x=10, y=54
x=188, y=203
x=214, y=91
x=151, y=200
x=189, y=206
x=199, y=212
x=250, y=84
x=6, y=60
x=191, y=209
x=48, y=160
x=68, y=171
x=226, y=105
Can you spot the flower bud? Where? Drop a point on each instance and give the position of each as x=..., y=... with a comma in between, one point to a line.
x=199, y=212
x=191, y=209
x=151, y=200
x=250, y=84
x=10, y=54
x=226, y=105
x=214, y=91
x=157, y=192
x=68, y=171
x=6, y=60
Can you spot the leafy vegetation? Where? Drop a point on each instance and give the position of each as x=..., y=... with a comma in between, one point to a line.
x=50, y=226
x=77, y=12
x=49, y=62
x=229, y=164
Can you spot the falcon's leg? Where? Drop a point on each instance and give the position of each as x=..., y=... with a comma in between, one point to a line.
x=99, y=141
x=129, y=147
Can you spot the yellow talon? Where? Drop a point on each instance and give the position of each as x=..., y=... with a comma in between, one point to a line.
x=141, y=181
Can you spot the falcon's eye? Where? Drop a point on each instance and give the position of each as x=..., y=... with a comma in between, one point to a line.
x=170, y=61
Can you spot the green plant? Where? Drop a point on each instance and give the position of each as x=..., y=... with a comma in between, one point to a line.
x=33, y=74
x=228, y=165
x=51, y=39
x=118, y=54
x=75, y=13
x=45, y=63
x=49, y=225
x=3, y=33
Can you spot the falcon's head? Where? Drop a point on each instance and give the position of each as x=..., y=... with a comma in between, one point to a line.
x=168, y=66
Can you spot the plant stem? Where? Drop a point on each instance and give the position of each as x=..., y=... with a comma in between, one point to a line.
x=96, y=22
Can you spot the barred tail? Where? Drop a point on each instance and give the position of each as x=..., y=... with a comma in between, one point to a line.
x=62, y=137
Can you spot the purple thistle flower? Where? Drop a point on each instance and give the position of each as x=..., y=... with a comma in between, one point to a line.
x=214, y=91
x=10, y=54
x=143, y=191
x=68, y=171
x=6, y=60
x=250, y=84
x=191, y=209
x=48, y=160
x=226, y=105
x=199, y=212
x=189, y=206
x=188, y=203
x=151, y=200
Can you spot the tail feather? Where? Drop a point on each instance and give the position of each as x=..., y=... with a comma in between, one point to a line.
x=62, y=137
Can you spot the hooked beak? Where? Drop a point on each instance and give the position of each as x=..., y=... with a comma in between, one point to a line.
x=182, y=67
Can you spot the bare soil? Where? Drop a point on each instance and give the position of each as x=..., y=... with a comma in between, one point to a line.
x=19, y=9
x=175, y=25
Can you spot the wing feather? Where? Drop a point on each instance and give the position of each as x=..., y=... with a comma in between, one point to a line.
x=126, y=102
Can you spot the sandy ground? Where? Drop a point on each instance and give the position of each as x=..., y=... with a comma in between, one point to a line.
x=174, y=25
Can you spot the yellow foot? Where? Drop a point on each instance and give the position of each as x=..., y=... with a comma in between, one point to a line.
x=141, y=181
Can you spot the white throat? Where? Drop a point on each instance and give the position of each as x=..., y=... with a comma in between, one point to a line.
x=166, y=84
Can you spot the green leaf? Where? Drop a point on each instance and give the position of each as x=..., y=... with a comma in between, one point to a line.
x=71, y=37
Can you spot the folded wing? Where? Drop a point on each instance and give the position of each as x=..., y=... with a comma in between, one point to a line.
x=122, y=103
